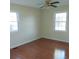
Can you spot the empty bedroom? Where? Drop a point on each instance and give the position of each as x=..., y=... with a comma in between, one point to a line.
x=39, y=29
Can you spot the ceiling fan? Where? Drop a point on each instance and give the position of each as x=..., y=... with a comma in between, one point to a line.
x=49, y=3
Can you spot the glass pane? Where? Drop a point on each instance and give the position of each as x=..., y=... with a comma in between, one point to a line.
x=13, y=16
x=60, y=26
x=59, y=54
x=61, y=17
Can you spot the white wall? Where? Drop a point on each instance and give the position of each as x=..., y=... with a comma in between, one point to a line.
x=47, y=24
x=28, y=25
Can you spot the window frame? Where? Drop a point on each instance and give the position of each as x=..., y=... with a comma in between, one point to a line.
x=14, y=21
x=60, y=21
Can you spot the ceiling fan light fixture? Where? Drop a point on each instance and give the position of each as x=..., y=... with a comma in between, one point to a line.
x=48, y=3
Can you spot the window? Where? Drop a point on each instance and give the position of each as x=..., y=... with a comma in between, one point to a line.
x=59, y=54
x=13, y=22
x=60, y=21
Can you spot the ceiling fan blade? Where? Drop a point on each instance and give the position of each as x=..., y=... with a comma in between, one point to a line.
x=41, y=6
x=53, y=6
x=55, y=2
x=44, y=6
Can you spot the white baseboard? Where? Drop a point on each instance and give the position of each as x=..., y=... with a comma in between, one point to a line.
x=14, y=46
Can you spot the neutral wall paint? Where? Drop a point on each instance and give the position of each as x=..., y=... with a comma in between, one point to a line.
x=47, y=24
x=28, y=25
x=34, y=23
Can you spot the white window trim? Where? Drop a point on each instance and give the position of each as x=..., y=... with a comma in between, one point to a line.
x=60, y=21
x=17, y=21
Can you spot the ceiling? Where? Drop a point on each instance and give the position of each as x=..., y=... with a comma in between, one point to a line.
x=36, y=3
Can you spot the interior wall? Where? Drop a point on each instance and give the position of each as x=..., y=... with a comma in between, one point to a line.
x=34, y=23
x=28, y=25
x=47, y=24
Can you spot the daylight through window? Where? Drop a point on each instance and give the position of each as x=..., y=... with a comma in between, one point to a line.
x=60, y=21
x=13, y=21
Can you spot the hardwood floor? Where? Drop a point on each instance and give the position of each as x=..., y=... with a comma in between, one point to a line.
x=39, y=49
